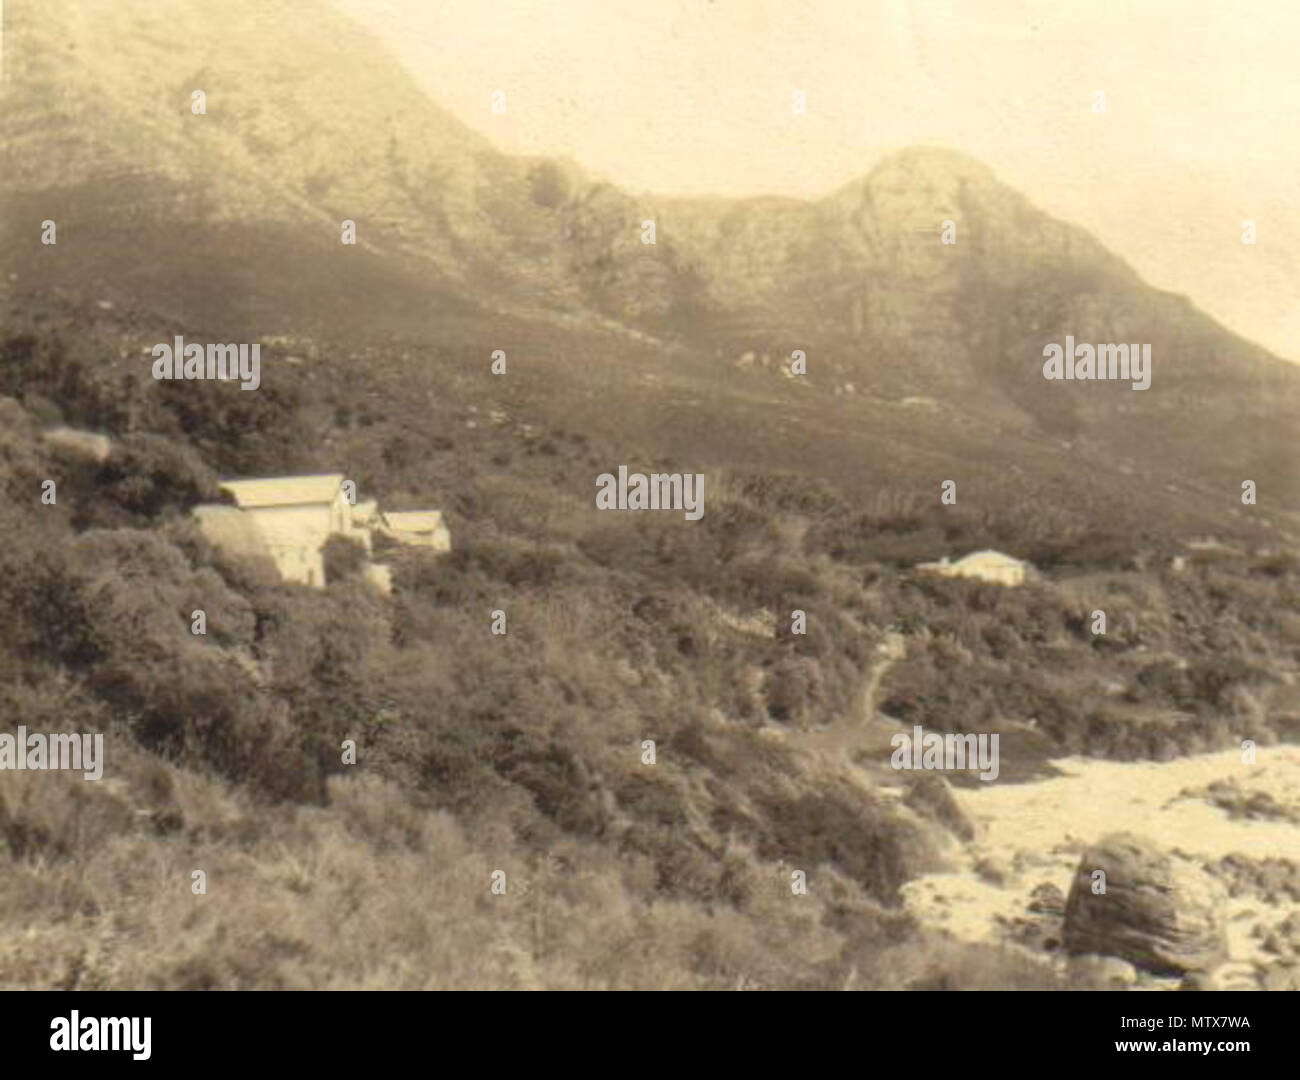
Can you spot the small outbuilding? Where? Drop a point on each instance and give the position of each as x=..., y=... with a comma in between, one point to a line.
x=423, y=528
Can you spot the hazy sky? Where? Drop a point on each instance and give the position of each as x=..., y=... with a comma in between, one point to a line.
x=1201, y=129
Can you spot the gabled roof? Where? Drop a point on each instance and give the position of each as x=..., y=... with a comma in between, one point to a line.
x=284, y=490
x=985, y=558
x=413, y=520
x=989, y=555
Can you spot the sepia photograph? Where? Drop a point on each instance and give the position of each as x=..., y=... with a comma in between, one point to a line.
x=650, y=495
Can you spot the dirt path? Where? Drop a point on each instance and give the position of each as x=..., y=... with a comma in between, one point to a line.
x=855, y=733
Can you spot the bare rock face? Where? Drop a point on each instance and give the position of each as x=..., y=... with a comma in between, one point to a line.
x=1159, y=912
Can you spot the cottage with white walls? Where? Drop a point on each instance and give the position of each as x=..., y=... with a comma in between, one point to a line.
x=990, y=566
x=293, y=517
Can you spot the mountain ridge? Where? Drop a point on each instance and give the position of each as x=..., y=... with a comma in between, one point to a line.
x=98, y=135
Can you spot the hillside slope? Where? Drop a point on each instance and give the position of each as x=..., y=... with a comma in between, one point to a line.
x=523, y=751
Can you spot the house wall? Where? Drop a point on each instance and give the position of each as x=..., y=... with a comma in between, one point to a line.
x=439, y=539
x=295, y=535
x=340, y=514
x=300, y=564
x=996, y=571
x=294, y=526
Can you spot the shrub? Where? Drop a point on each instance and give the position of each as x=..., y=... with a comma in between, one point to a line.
x=344, y=558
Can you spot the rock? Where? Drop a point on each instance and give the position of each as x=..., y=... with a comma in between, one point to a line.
x=1284, y=938
x=1282, y=978
x=79, y=444
x=930, y=794
x=1234, y=975
x=1101, y=971
x=1047, y=899
x=1159, y=911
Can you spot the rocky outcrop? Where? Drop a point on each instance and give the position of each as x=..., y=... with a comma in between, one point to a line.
x=1160, y=912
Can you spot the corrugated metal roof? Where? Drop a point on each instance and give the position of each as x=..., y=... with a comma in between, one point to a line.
x=284, y=490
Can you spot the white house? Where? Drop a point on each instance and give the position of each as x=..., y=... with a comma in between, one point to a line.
x=289, y=519
x=295, y=515
x=991, y=566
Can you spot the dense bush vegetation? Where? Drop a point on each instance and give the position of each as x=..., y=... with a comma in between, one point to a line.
x=523, y=751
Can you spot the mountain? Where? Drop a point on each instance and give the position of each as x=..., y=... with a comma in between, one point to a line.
x=228, y=223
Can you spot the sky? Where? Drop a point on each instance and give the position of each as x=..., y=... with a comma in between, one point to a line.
x=1201, y=129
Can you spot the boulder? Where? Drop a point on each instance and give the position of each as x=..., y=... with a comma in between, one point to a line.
x=1101, y=972
x=1047, y=899
x=1234, y=975
x=85, y=445
x=1160, y=912
x=1282, y=978
x=931, y=795
x=1283, y=939
x=994, y=869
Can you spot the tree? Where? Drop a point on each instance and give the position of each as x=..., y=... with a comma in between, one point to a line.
x=344, y=558
x=548, y=184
